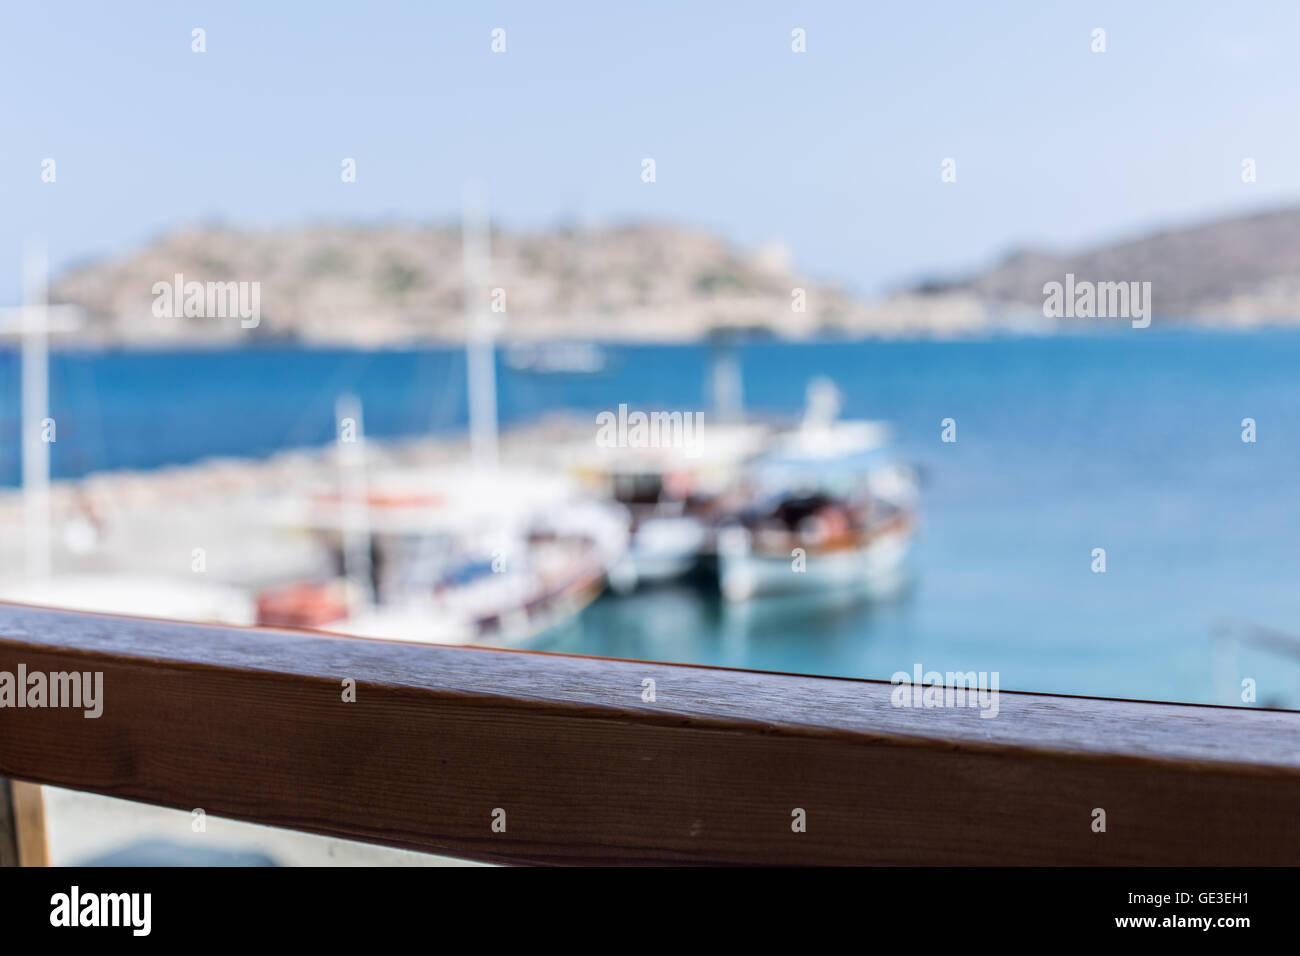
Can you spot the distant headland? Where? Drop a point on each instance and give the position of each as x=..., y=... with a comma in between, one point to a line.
x=390, y=285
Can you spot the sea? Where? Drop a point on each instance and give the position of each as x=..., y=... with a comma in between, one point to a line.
x=1128, y=441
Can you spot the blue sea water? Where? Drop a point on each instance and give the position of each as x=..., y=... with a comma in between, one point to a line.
x=1125, y=441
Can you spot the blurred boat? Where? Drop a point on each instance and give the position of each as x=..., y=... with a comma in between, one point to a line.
x=814, y=542
x=828, y=508
x=454, y=557
x=674, y=495
x=458, y=555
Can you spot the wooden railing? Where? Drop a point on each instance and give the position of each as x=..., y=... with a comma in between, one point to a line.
x=536, y=758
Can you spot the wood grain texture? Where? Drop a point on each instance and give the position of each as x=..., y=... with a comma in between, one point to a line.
x=22, y=825
x=251, y=724
x=8, y=825
x=29, y=816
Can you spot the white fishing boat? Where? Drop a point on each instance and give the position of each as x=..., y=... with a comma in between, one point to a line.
x=674, y=496
x=460, y=554
x=453, y=557
x=829, y=509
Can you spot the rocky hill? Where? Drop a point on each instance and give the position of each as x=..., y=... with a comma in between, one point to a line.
x=1241, y=270
x=393, y=285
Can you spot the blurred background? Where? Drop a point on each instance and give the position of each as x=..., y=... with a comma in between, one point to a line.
x=324, y=317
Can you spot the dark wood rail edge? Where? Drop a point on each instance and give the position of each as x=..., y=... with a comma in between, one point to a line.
x=567, y=752
x=22, y=825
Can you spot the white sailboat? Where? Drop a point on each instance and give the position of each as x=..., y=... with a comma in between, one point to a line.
x=455, y=556
x=458, y=554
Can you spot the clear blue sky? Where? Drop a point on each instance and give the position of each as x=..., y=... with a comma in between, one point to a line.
x=835, y=152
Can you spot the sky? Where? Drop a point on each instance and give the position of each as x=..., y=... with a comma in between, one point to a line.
x=836, y=152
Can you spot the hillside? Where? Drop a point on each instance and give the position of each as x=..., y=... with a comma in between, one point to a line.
x=392, y=285
x=395, y=285
x=1241, y=270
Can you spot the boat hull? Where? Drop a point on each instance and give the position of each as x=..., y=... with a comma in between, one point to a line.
x=662, y=550
x=877, y=569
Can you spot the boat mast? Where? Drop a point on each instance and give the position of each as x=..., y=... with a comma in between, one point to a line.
x=480, y=334
x=34, y=410
x=354, y=512
x=31, y=323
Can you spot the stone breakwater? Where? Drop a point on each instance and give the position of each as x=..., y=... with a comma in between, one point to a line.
x=150, y=522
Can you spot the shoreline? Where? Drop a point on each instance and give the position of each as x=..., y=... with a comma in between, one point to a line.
x=997, y=332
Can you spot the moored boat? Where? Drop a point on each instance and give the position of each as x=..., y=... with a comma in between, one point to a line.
x=828, y=508
x=799, y=544
x=454, y=557
x=675, y=497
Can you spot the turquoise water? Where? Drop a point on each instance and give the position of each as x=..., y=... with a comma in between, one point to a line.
x=1127, y=441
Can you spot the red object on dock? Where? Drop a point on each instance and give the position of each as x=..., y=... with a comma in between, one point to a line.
x=300, y=605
